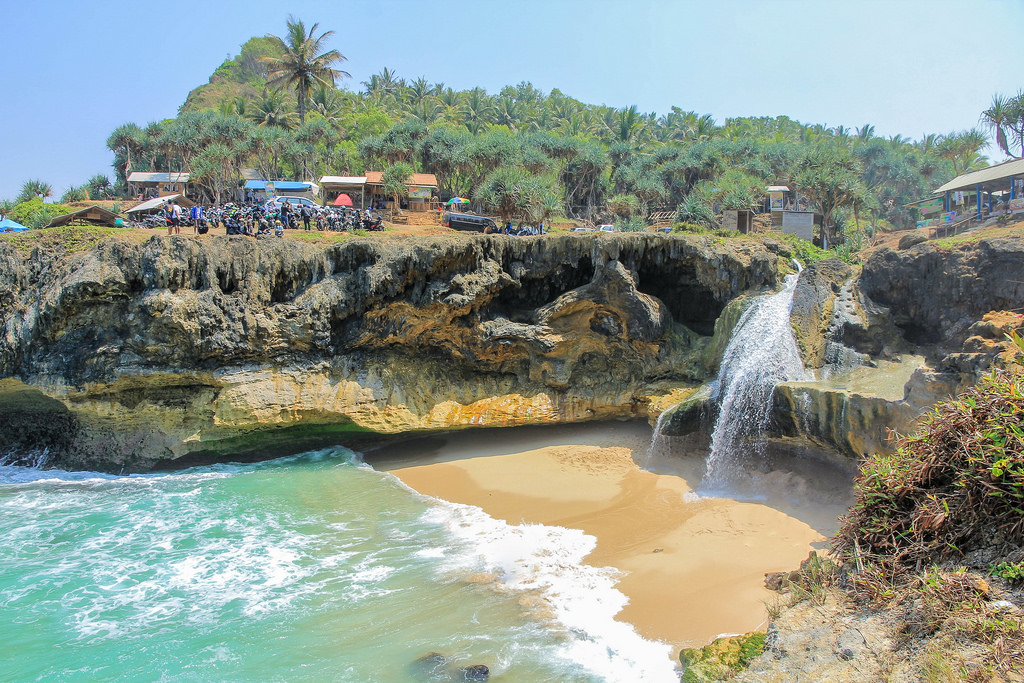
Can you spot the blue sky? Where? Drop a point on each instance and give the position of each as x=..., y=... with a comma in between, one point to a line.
x=74, y=71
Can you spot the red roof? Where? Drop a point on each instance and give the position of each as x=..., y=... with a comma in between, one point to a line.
x=417, y=179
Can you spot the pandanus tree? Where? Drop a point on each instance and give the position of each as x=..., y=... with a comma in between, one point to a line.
x=34, y=188
x=1005, y=117
x=126, y=142
x=831, y=177
x=304, y=64
x=961, y=149
x=393, y=181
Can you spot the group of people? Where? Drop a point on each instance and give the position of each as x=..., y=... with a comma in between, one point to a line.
x=175, y=216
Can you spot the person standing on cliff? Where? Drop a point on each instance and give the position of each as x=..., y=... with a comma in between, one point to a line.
x=176, y=217
x=196, y=214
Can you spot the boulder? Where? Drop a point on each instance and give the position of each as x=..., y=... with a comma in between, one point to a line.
x=911, y=239
x=477, y=672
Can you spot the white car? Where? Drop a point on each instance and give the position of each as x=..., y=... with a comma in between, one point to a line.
x=607, y=228
x=275, y=203
x=583, y=230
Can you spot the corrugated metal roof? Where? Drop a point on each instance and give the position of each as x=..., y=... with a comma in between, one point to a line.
x=91, y=214
x=154, y=203
x=343, y=180
x=969, y=181
x=416, y=179
x=146, y=177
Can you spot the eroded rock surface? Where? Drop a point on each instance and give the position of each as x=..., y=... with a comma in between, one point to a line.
x=179, y=349
x=915, y=327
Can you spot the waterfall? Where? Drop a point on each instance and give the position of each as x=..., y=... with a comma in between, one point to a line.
x=34, y=459
x=760, y=354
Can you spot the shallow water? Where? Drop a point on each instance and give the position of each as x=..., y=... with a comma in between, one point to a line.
x=315, y=567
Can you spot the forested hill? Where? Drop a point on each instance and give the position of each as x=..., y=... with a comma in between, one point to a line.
x=545, y=153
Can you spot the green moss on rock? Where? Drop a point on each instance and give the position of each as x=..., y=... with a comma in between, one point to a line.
x=721, y=659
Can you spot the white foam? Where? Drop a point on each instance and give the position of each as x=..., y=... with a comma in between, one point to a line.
x=548, y=560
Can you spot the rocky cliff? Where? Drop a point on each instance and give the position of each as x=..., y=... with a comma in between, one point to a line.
x=913, y=327
x=916, y=326
x=135, y=355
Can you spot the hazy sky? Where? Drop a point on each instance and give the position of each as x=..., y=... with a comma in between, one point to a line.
x=74, y=71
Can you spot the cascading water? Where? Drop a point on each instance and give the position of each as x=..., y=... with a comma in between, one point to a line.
x=760, y=354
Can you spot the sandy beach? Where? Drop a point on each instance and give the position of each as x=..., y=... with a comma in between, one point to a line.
x=692, y=567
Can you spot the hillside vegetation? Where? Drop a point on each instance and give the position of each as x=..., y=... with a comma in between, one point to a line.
x=545, y=153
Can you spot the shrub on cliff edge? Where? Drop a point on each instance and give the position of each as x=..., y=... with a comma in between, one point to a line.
x=954, y=486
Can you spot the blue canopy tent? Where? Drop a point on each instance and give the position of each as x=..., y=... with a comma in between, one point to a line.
x=7, y=225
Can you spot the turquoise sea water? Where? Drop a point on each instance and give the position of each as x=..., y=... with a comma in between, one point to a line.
x=310, y=568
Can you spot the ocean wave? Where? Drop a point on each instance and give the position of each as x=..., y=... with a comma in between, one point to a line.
x=21, y=470
x=581, y=599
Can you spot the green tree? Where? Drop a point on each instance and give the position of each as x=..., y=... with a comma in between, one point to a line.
x=1005, y=117
x=304, y=63
x=270, y=110
x=511, y=192
x=34, y=188
x=99, y=187
x=394, y=179
x=126, y=142
x=34, y=213
x=74, y=194
x=830, y=176
x=382, y=86
x=962, y=149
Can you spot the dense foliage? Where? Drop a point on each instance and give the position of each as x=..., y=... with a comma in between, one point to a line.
x=34, y=213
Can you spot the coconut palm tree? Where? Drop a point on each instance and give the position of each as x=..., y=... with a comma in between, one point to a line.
x=478, y=108
x=270, y=110
x=426, y=110
x=99, y=187
x=304, y=63
x=418, y=90
x=625, y=124
x=383, y=85
x=865, y=132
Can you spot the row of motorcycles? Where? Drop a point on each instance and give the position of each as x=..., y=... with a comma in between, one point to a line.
x=259, y=220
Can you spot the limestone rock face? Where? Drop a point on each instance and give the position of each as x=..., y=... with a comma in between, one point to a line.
x=813, y=302
x=935, y=294
x=178, y=349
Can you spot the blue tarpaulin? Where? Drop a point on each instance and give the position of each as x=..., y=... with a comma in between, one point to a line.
x=7, y=225
x=279, y=185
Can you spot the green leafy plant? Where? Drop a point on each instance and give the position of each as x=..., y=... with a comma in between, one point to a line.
x=1011, y=571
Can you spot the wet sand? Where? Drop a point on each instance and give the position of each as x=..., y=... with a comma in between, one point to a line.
x=693, y=567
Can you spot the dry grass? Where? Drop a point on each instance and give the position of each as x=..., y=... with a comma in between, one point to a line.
x=955, y=485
